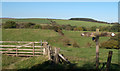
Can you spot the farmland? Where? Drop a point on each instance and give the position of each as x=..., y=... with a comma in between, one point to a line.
x=83, y=57
x=58, y=36
x=60, y=22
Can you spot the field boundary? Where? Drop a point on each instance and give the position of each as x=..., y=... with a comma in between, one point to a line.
x=30, y=49
x=27, y=49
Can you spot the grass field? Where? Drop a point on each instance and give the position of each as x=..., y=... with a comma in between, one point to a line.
x=78, y=56
x=28, y=34
x=21, y=62
x=80, y=23
x=82, y=41
x=60, y=22
x=83, y=57
x=49, y=35
x=38, y=21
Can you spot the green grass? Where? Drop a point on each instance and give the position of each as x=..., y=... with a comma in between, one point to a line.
x=9, y=62
x=81, y=56
x=82, y=41
x=79, y=23
x=78, y=56
x=30, y=62
x=60, y=22
x=49, y=35
x=88, y=54
x=28, y=34
x=38, y=21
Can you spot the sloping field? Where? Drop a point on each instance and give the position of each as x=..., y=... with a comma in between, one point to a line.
x=9, y=62
x=82, y=41
x=28, y=34
x=38, y=21
x=60, y=22
x=80, y=23
x=83, y=57
x=48, y=35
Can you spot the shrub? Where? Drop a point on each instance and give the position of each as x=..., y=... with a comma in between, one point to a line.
x=104, y=28
x=20, y=25
x=88, y=29
x=56, y=28
x=116, y=37
x=93, y=28
x=75, y=44
x=111, y=44
x=45, y=26
x=84, y=28
x=75, y=29
x=53, y=22
x=10, y=24
x=29, y=25
x=68, y=27
x=63, y=26
x=60, y=32
x=114, y=28
x=78, y=29
x=37, y=26
x=66, y=41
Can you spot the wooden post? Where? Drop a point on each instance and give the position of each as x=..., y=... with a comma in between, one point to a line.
x=97, y=52
x=33, y=49
x=109, y=60
x=96, y=35
x=97, y=49
x=49, y=53
x=45, y=49
x=16, y=51
x=62, y=57
x=56, y=58
x=41, y=42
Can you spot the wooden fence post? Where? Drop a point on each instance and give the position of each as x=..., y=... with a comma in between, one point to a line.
x=33, y=49
x=41, y=42
x=56, y=58
x=97, y=52
x=49, y=52
x=96, y=35
x=109, y=60
x=97, y=49
x=45, y=50
x=16, y=51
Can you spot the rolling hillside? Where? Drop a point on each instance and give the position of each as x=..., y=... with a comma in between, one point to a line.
x=58, y=21
x=83, y=57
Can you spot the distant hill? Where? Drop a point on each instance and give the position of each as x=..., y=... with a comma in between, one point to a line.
x=7, y=18
x=44, y=21
x=87, y=19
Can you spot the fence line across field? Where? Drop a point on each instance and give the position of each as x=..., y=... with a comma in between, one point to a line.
x=17, y=46
x=19, y=50
x=21, y=42
x=44, y=49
